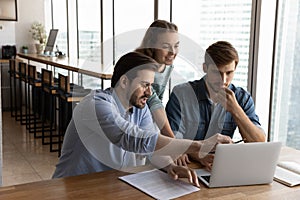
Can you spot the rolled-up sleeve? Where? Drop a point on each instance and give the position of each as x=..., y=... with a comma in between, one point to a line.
x=246, y=102
x=154, y=102
x=125, y=134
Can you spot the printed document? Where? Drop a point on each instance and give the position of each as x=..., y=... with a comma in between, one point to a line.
x=159, y=185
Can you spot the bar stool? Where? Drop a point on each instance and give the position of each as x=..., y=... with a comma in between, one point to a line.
x=14, y=78
x=34, y=95
x=69, y=95
x=23, y=81
x=48, y=105
x=12, y=87
x=24, y=92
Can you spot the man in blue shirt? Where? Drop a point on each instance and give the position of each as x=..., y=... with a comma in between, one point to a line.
x=201, y=108
x=113, y=129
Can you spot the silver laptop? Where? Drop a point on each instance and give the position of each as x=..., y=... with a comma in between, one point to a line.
x=242, y=164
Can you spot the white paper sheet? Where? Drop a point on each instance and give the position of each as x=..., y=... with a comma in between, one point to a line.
x=159, y=185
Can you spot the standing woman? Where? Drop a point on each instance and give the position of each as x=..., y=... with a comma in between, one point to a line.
x=161, y=43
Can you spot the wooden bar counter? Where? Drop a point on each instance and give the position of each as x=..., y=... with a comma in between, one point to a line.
x=74, y=65
x=4, y=61
x=106, y=185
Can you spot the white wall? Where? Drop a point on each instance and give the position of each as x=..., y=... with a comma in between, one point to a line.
x=7, y=33
x=17, y=33
x=29, y=12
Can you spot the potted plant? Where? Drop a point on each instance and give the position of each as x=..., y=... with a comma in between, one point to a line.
x=25, y=49
x=39, y=34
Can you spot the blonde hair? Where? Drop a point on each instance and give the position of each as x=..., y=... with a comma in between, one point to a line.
x=157, y=28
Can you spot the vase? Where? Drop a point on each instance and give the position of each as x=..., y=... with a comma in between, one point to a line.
x=39, y=48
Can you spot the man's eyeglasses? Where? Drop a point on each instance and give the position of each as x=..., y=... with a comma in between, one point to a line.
x=145, y=85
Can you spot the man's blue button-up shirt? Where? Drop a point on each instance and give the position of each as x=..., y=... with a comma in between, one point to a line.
x=189, y=110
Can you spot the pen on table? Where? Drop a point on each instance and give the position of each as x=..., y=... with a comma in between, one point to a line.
x=238, y=141
x=212, y=152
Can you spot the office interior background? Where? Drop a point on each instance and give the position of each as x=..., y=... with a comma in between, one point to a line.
x=265, y=33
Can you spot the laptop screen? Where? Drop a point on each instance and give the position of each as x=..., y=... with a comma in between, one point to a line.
x=51, y=40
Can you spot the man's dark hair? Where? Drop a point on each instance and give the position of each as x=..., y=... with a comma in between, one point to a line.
x=221, y=53
x=130, y=64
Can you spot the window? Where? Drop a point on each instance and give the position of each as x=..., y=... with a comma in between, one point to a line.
x=285, y=115
x=60, y=23
x=131, y=19
x=107, y=29
x=208, y=21
x=89, y=30
x=204, y=23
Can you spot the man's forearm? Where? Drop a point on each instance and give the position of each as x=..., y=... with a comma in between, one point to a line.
x=249, y=131
x=175, y=147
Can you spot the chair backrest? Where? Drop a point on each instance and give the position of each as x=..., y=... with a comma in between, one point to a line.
x=47, y=77
x=32, y=73
x=23, y=69
x=64, y=83
x=13, y=63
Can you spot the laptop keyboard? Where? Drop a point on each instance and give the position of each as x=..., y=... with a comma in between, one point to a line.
x=207, y=178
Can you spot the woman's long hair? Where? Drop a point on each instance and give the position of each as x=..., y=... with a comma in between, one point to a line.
x=157, y=28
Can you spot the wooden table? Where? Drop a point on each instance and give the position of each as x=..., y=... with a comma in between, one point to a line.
x=106, y=185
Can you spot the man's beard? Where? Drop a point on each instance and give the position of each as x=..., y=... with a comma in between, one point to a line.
x=134, y=100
